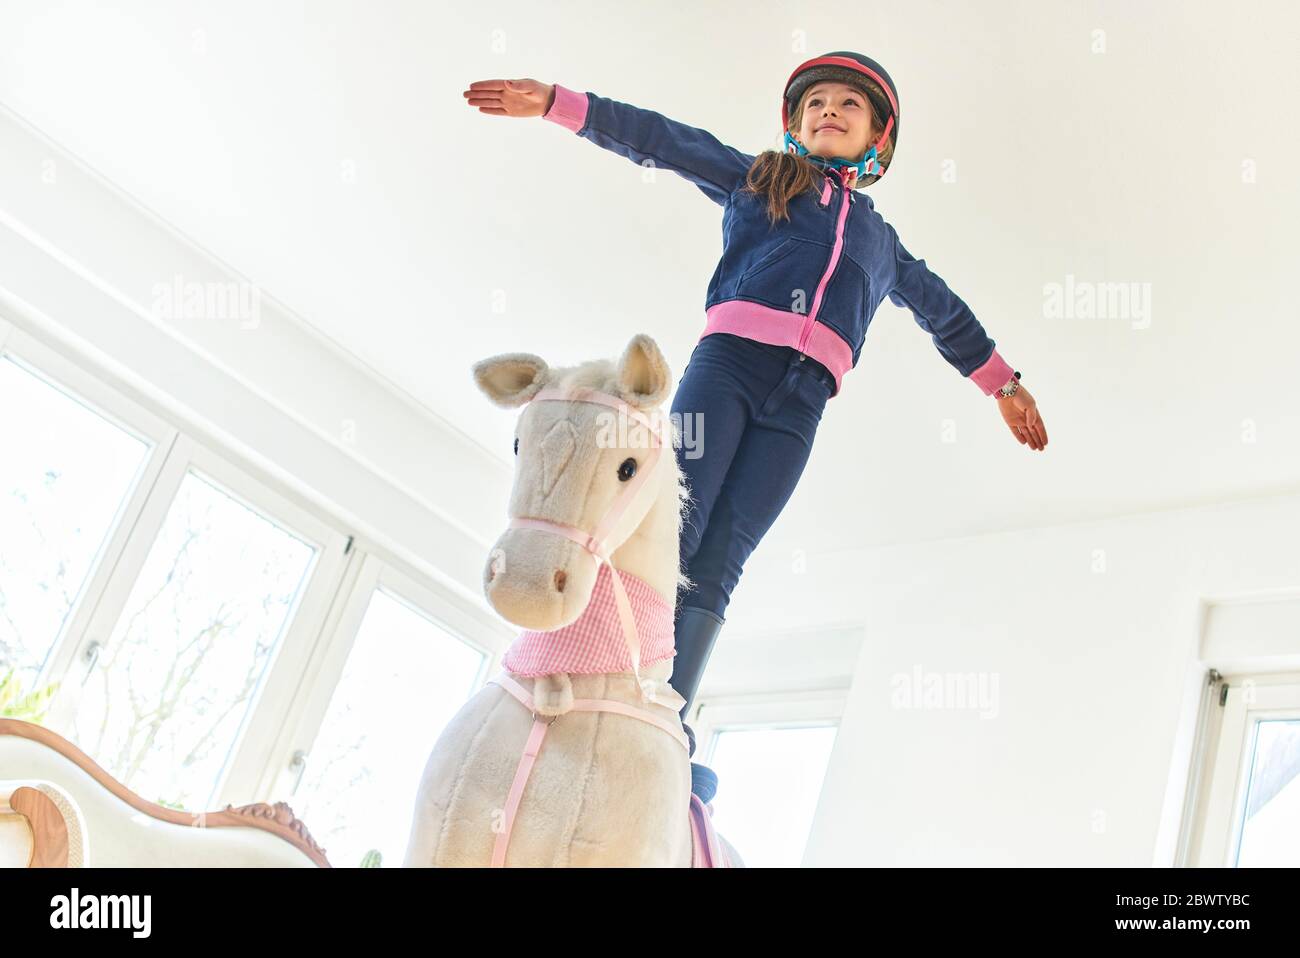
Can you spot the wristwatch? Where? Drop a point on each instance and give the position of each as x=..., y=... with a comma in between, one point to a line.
x=1012, y=386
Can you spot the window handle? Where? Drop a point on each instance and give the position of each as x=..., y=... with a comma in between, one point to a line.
x=297, y=764
x=90, y=656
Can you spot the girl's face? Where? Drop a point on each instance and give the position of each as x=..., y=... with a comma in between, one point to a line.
x=836, y=121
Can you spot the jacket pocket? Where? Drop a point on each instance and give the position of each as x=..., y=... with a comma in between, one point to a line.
x=845, y=305
x=785, y=278
x=772, y=257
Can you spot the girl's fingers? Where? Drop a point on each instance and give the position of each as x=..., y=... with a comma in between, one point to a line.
x=495, y=88
x=494, y=110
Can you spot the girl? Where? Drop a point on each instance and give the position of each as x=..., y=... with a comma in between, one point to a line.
x=804, y=267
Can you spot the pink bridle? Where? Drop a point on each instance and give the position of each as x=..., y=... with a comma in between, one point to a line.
x=706, y=850
x=595, y=542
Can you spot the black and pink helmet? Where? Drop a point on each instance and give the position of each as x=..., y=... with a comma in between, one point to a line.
x=845, y=66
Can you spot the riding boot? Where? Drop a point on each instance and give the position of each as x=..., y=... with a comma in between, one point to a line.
x=696, y=630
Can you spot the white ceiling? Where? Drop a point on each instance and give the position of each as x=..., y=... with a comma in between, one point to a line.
x=325, y=151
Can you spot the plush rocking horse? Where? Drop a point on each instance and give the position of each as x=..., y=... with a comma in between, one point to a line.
x=574, y=755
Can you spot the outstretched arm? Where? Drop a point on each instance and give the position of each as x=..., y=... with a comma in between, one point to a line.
x=962, y=341
x=643, y=136
x=957, y=334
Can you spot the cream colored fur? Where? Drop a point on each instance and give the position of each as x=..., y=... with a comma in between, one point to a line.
x=606, y=790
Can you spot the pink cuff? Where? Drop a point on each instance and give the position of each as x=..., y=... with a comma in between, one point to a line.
x=993, y=375
x=569, y=109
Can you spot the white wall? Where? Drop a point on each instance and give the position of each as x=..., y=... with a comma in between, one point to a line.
x=1095, y=636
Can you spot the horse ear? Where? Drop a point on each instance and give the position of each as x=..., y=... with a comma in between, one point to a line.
x=511, y=379
x=643, y=376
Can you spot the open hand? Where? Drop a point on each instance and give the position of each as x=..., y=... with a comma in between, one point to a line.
x=1021, y=415
x=511, y=97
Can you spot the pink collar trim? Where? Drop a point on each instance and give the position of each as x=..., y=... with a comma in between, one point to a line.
x=594, y=642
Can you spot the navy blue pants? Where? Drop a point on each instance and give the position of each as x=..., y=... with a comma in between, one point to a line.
x=748, y=412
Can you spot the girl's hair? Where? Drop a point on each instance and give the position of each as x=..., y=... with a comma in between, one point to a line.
x=782, y=176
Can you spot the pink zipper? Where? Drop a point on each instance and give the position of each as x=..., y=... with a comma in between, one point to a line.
x=830, y=268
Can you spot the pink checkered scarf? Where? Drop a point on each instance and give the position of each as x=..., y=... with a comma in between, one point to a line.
x=594, y=642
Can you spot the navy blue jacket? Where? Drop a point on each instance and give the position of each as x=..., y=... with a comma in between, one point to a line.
x=812, y=283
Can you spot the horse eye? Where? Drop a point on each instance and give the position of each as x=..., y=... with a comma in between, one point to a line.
x=627, y=470
x=516, y=445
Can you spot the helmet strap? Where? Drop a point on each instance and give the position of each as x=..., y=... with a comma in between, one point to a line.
x=867, y=166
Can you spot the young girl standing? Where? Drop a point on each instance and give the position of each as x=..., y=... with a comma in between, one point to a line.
x=805, y=264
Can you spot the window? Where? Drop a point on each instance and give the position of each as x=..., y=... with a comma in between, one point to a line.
x=167, y=695
x=405, y=678
x=769, y=781
x=1270, y=828
x=65, y=477
x=770, y=754
x=1249, y=806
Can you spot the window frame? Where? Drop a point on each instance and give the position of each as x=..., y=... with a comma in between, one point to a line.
x=268, y=705
x=1226, y=754
x=768, y=710
x=66, y=376
x=280, y=773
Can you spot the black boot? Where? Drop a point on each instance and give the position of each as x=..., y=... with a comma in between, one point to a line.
x=696, y=631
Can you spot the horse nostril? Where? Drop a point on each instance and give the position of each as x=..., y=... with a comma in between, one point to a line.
x=560, y=578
